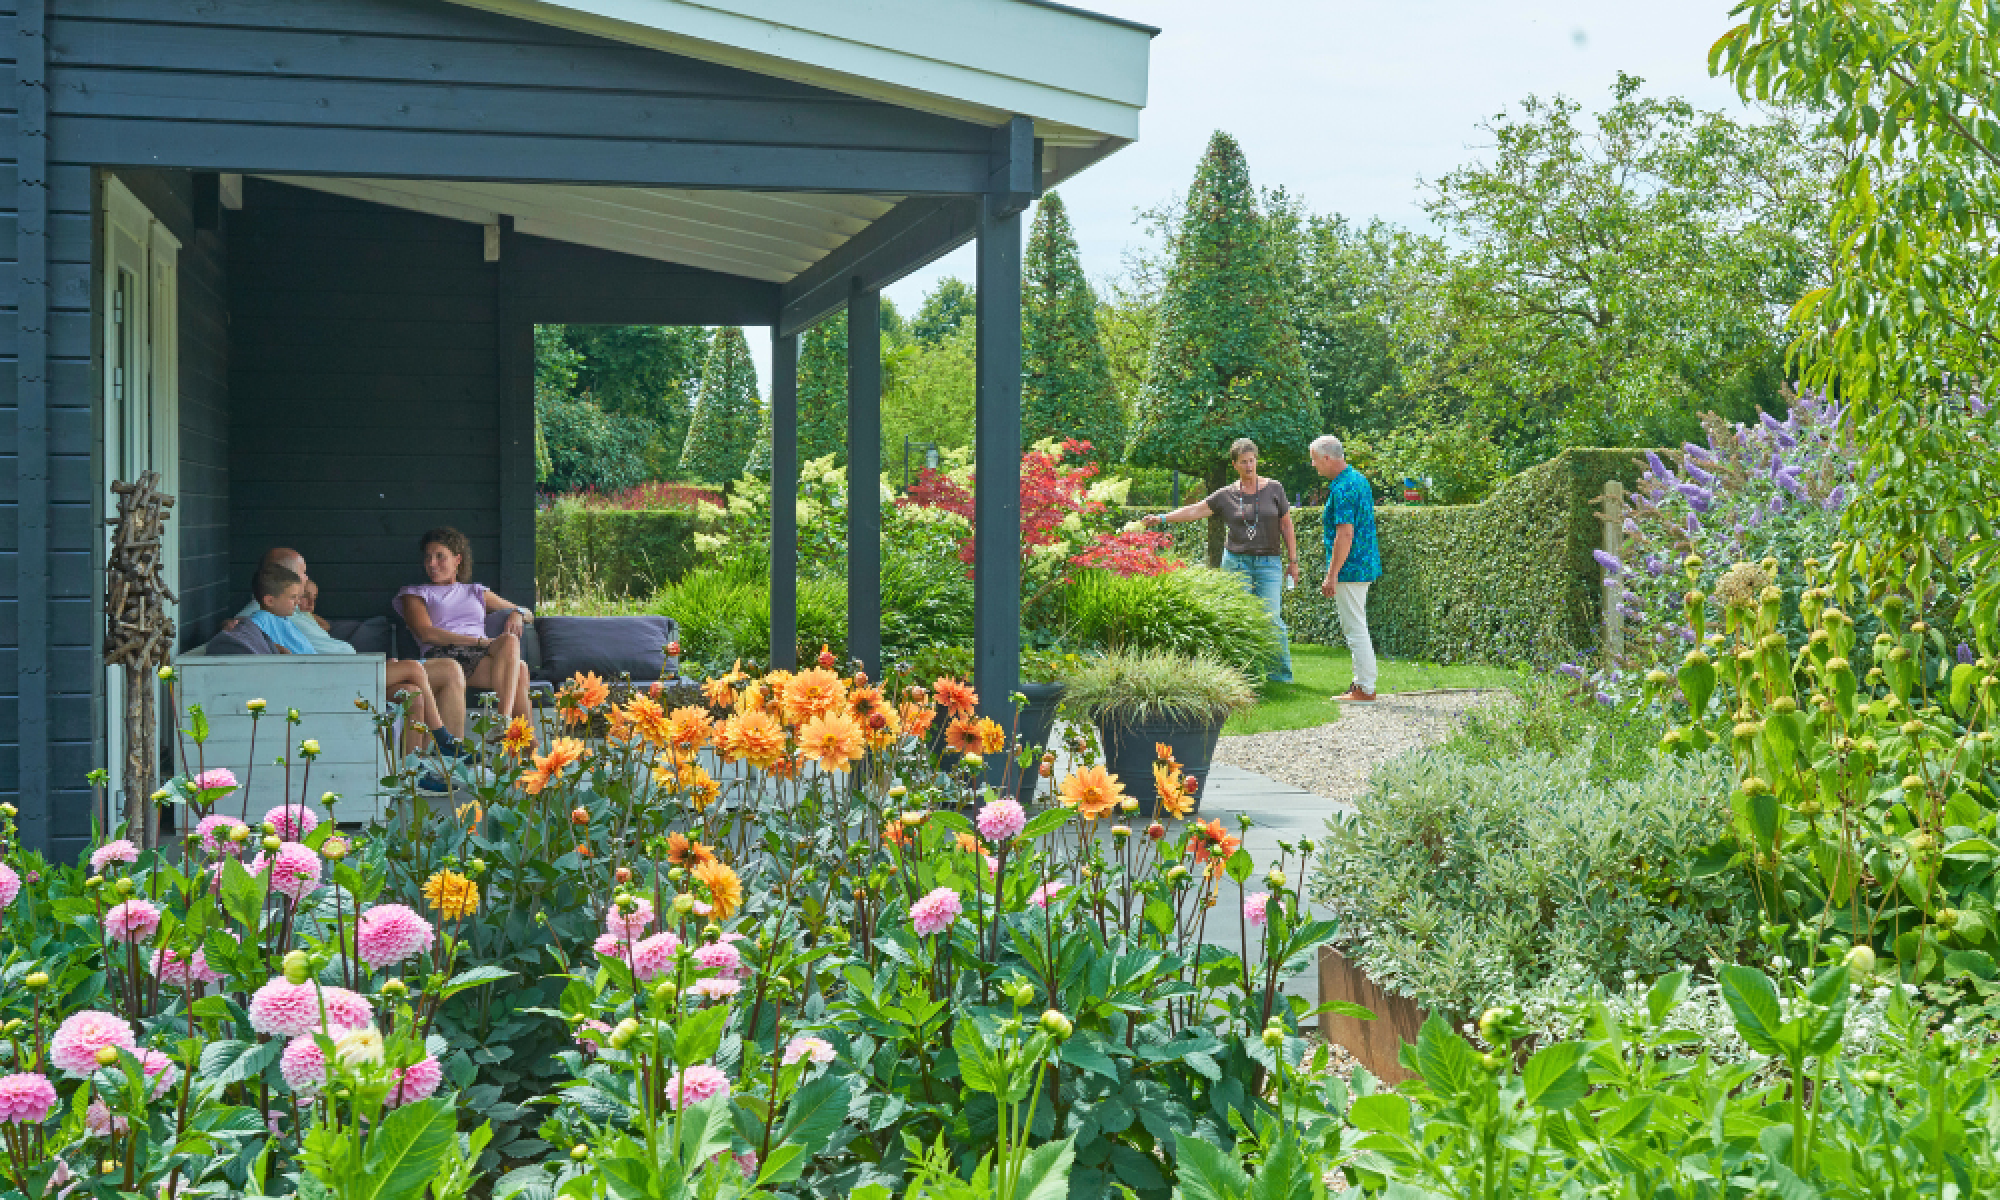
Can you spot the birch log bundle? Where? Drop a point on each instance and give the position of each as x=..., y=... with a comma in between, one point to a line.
x=139, y=636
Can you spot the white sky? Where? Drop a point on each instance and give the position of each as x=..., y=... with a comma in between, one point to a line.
x=1349, y=103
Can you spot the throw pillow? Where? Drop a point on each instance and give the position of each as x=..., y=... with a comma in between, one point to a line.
x=610, y=646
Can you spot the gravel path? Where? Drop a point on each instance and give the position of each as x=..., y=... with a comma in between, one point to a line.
x=1334, y=760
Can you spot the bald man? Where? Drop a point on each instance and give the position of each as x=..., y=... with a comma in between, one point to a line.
x=304, y=619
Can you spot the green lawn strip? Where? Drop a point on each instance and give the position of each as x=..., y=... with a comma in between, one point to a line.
x=1321, y=672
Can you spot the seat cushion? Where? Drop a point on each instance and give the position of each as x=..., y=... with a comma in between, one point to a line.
x=370, y=635
x=244, y=639
x=609, y=646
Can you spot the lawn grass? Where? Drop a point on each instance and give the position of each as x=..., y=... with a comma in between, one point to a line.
x=1322, y=672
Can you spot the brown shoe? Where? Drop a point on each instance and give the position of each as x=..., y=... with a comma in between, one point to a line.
x=1355, y=695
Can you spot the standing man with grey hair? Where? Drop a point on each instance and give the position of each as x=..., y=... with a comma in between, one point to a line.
x=1352, y=558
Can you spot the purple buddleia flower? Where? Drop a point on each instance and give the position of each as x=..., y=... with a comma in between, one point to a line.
x=1696, y=453
x=1965, y=653
x=1630, y=613
x=1704, y=478
x=1699, y=498
x=1571, y=670
x=1835, y=499
x=1777, y=504
x=1693, y=525
x=1686, y=633
x=1612, y=567
x=1977, y=405
x=1655, y=565
x=1789, y=480
x=1660, y=470
x=1606, y=700
x=1777, y=430
x=1631, y=527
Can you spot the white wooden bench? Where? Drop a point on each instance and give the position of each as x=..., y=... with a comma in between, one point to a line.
x=323, y=687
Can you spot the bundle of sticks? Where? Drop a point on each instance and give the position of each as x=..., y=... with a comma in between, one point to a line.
x=139, y=636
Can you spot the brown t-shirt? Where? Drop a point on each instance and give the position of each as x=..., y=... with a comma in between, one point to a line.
x=1252, y=521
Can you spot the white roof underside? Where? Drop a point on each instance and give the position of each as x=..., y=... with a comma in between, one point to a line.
x=1081, y=77
x=761, y=235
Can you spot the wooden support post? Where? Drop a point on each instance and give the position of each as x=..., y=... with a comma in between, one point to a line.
x=784, y=501
x=1611, y=507
x=864, y=475
x=996, y=526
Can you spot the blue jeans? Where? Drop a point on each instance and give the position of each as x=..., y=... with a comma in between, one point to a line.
x=1264, y=575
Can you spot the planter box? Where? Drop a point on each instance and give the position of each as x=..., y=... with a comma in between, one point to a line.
x=1374, y=1043
x=1129, y=754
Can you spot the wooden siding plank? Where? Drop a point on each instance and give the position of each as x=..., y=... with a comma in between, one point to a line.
x=277, y=149
x=27, y=339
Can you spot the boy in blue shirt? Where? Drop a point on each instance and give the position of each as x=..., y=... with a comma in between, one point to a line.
x=277, y=590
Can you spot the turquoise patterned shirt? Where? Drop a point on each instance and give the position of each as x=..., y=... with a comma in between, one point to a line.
x=1350, y=501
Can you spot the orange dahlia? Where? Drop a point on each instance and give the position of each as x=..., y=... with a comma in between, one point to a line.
x=917, y=719
x=685, y=852
x=725, y=890
x=759, y=739
x=1092, y=791
x=1213, y=845
x=833, y=740
x=520, y=737
x=1175, y=800
x=992, y=738
x=811, y=694
x=720, y=693
x=589, y=690
x=690, y=728
x=955, y=696
x=964, y=736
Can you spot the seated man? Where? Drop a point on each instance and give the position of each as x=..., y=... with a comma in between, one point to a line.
x=439, y=691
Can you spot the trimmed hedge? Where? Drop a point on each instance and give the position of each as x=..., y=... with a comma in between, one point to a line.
x=1507, y=580
x=624, y=552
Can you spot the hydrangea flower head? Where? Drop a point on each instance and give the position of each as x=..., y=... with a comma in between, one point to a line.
x=73, y=1050
x=390, y=933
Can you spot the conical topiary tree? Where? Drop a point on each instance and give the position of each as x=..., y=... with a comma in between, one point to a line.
x=1066, y=389
x=725, y=411
x=822, y=400
x=1225, y=361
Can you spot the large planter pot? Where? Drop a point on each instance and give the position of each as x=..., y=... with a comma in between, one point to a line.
x=1129, y=753
x=1036, y=722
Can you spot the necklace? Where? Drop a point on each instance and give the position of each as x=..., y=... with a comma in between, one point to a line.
x=1247, y=512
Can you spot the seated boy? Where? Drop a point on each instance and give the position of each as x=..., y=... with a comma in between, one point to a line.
x=278, y=590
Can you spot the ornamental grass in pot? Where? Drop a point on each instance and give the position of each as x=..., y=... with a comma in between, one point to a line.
x=1141, y=700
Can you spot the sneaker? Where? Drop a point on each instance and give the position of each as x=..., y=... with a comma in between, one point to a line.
x=1355, y=695
x=433, y=782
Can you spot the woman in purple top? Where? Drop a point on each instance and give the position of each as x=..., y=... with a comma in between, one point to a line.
x=448, y=617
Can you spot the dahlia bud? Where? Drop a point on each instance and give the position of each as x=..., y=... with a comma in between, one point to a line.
x=271, y=842
x=622, y=875
x=826, y=658
x=665, y=993
x=579, y=1152
x=1274, y=1037
x=309, y=748
x=1276, y=878
x=37, y=980
x=1861, y=961
x=673, y=649
x=297, y=967
x=167, y=674
x=1121, y=832
x=395, y=987
x=239, y=833
x=335, y=848
x=255, y=707
x=579, y=815
x=1056, y=1025
x=125, y=887
x=1129, y=804
x=684, y=903
x=623, y=1033
x=1156, y=831
x=975, y=761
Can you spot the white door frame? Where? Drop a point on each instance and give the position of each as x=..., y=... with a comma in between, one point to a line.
x=140, y=399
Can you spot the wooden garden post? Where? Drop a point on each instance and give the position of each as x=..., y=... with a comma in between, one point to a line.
x=139, y=636
x=1611, y=507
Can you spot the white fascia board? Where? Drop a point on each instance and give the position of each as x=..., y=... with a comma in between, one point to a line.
x=979, y=60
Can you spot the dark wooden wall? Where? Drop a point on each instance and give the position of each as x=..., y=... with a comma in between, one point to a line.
x=364, y=390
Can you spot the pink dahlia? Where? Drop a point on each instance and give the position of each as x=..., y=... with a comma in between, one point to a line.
x=654, y=955
x=416, y=1082
x=174, y=970
x=158, y=1068
x=1002, y=820
x=214, y=831
x=592, y=1045
x=1041, y=896
x=216, y=779
x=10, y=885
x=26, y=1099
x=303, y=1064
x=74, y=1047
x=817, y=1049
x=345, y=1009
x=715, y=989
x=723, y=957
x=390, y=933
x=133, y=921
x=694, y=1085
x=285, y=1009
x=111, y=852
x=98, y=1121
x=1254, y=905
x=631, y=924
x=935, y=912
x=294, y=871
x=292, y=821
x=611, y=945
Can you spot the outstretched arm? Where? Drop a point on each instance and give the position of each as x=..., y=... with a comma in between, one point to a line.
x=1187, y=512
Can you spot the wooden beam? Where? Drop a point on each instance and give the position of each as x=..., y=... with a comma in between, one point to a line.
x=916, y=232
x=784, y=501
x=864, y=472
x=996, y=563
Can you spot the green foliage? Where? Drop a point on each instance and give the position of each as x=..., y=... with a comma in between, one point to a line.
x=1353, y=286
x=946, y=307
x=619, y=552
x=1191, y=611
x=1550, y=715
x=1452, y=462
x=1507, y=580
x=1225, y=361
x=726, y=411
x=590, y=448
x=1066, y=389
x=1905, y=328
x=1131, y=684
x=929, y=394
x=1456, y=880
x=642, y=371
x=823, y=391
x=725, y=615
x=1615, y=280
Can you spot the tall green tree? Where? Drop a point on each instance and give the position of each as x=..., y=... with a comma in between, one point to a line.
x=947, y=306
x=1225, y=361
x=1066, y=388
x=644, y=371
x=726, y=411
x=822, y=399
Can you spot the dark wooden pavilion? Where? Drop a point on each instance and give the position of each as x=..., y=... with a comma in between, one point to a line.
x=290, y=253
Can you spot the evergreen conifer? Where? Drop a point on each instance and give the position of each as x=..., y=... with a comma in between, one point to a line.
x=1066, y=389
x=1225, y=361
x=725, y=411
x=822, y=400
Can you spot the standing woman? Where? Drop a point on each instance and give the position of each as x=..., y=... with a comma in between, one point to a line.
x=448, y=617
x=1261, y=547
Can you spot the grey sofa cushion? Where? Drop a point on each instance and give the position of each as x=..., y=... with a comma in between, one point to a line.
x=371, y=635
x=531, y=642
x=609, y=646
x=244, y=639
